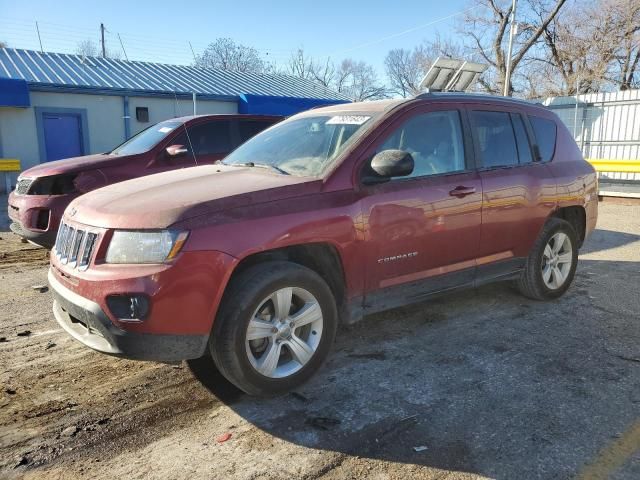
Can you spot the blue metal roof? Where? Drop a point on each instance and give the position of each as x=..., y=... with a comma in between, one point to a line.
x=60, y=71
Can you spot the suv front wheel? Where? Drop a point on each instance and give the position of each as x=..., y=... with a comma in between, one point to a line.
x=552, y=262
x=275, y=327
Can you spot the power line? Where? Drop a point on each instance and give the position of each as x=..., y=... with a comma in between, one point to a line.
x=404, y=32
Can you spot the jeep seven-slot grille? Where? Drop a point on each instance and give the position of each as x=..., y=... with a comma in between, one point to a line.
x=74, y=246
x=22, y=187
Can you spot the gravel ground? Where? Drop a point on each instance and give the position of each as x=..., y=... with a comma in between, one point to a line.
x=492, y=384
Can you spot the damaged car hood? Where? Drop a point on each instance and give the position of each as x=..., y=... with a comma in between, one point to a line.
x=160, y=200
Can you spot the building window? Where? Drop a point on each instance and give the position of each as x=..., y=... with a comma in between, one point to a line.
x=142, y=114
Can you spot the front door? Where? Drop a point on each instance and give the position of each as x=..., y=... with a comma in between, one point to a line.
x=424, y=229
x=62, y=136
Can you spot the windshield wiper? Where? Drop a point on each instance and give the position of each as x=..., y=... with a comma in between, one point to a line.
x=265, y=165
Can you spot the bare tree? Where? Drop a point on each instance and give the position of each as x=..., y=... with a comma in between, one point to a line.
x=359, y=81
x=3, y=44
x=627, y=15
x=404, y=71
x=300, y=65
x=406, y=68
x=587, y=49
x=487, y=29
x=89, y=48
x=323, y=72
x=225, y=54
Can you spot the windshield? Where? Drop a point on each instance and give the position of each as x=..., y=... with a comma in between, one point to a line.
x=146, y=139
x=301, y=147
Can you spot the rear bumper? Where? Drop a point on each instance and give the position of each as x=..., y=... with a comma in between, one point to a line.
x=85, y=321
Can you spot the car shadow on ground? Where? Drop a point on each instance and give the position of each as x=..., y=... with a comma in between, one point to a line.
x=601, y=240
x=489, y=382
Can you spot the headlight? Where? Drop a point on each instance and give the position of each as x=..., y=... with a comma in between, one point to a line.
x=135, y=246
x=53, y=185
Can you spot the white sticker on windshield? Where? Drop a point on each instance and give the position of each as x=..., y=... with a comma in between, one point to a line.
x=347, y=120
x=165, y=129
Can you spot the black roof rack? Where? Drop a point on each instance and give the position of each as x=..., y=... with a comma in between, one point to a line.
x=475, y=96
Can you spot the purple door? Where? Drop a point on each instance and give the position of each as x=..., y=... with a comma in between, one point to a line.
x=62, y=136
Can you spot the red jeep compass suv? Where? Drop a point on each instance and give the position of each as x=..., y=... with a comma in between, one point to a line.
x=44, y=191
x=330, y=215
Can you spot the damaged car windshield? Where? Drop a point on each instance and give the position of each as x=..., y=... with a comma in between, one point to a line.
x=303, y=147
x=146, y=139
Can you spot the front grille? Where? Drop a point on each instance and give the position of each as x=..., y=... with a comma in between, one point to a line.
x=22, y=187
x=74, y=246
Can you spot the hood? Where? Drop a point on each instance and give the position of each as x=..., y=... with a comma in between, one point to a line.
x=160, y=200
x=75, y=164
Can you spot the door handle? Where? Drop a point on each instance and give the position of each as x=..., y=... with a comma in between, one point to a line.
x=462, y=191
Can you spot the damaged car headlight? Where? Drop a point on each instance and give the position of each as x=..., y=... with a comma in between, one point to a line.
x=140, y=246
x=53, y=185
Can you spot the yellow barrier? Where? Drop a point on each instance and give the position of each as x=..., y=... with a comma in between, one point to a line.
x=9, y=165
x=607, y=165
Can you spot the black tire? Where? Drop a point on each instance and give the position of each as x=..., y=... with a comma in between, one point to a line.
x=531, y=282
x=242, y=298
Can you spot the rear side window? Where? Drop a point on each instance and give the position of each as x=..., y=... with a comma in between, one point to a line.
x=250, y=128
x=522, y=139
x=545, y=132
x=495, y=135
x=211, y=138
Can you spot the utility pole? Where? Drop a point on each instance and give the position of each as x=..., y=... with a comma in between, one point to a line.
x=104, y=52
x=512, y=33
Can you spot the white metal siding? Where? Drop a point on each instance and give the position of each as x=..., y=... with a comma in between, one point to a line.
x=607, y=127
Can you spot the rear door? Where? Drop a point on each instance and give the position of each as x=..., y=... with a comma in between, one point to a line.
x=423, y=230
x=518, y=189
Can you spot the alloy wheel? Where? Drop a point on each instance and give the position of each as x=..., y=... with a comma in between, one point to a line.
x=284, y=332
x=556, y=261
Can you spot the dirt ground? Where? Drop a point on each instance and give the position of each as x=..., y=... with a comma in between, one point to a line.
x=492, y=384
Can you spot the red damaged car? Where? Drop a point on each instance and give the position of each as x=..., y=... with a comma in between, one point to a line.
x=44, y=191
x=332, y=214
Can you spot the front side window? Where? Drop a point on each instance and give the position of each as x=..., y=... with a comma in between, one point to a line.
x=146, y=139
x=211, y=138
x=433, y=139
x=496, y=138
x=545, y=132
x=250, y=128
x=304, y=146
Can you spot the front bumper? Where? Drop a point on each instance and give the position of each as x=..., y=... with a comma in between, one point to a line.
x=23, y=211
x=85, y=321
x=44, y=239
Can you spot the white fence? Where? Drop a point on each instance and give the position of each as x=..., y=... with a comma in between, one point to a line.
x=605, y=126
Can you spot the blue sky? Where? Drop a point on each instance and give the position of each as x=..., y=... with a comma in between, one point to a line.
x=160, y=31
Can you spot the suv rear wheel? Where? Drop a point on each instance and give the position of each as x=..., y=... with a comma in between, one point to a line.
x=552, y=262
x=275, y=328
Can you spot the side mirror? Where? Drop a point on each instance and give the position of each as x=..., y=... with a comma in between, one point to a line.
x=388, y=164
x=175, y=151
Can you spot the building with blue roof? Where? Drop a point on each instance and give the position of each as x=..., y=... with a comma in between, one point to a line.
x=109, y=100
